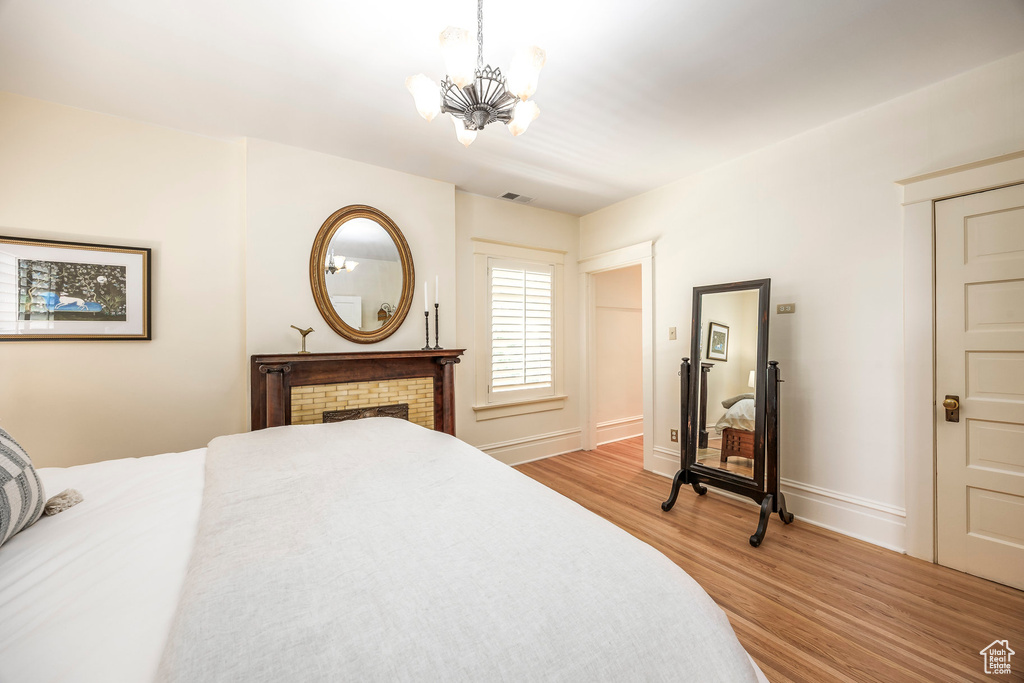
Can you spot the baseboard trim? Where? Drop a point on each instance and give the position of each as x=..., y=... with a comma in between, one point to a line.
x=868, y=520
x=861, y=518
x=537, y=447
x=666, y=462
x=890, y=510
x=617, y=430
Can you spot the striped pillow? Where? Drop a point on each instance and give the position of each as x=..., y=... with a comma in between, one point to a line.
x=21, y=492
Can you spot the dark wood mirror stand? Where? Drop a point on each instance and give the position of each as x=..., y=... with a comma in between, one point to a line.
x=763, y=486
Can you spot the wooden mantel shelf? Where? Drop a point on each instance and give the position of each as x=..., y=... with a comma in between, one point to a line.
x=354, y=355
x=273, y=375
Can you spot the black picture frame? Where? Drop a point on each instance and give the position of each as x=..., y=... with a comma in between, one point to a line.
x=714, y=327
x=75, y=291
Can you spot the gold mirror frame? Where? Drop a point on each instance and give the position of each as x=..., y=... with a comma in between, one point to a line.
x=318, y=282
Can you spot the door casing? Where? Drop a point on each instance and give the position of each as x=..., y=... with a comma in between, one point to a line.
x=641, y=254
x=919, y=196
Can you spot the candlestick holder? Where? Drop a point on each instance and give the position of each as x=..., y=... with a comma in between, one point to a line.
x=437, y=318
x=426, y=329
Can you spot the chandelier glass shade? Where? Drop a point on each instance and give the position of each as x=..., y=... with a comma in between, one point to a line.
x=338, y=264
x=475, y=94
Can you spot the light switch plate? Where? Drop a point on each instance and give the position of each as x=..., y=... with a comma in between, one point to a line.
x=785, y=308
x=671, y=333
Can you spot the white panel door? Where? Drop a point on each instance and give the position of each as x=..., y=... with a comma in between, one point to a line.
x=349, y=309
x=979, y=314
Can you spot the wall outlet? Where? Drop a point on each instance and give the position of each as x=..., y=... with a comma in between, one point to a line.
x=673, y=435
x=671, y=333
x=785, y=308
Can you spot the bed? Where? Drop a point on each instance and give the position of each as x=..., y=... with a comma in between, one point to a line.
x=736, y=427
x=364, y=550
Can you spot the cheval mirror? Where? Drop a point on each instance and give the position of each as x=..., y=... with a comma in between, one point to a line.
x=729, y=400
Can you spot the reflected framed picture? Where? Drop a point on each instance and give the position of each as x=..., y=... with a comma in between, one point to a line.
x=51, y=290
x=718, y=342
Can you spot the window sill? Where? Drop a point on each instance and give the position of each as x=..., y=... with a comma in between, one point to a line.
x=524, y=407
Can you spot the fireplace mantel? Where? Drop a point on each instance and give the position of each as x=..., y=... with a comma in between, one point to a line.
x=273, y=376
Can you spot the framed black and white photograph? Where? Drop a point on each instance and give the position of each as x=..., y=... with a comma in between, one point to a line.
x=718, y=342
x=52, y=290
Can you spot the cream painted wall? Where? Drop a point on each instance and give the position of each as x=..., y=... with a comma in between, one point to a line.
x=819, y=214
x=617, y=334
x=231, y=225
x=521, y=437
x=80, y=176
x=290, y=192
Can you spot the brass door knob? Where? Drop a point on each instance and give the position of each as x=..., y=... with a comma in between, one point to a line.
x=951, y=404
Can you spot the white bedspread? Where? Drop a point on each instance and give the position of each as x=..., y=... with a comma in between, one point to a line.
x=377, y=550
x=87, y=596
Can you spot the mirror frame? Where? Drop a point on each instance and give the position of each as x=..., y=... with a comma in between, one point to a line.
x=763, y=289
x=765, y=488
x=318, y=280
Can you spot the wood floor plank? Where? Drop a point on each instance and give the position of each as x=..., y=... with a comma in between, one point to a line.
x=809, y=604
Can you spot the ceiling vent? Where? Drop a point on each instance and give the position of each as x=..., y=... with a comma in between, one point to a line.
x=516, y=198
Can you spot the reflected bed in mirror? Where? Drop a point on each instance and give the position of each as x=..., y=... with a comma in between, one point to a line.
x=361, y=273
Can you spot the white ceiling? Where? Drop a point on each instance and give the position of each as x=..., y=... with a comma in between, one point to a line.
x=635, y=93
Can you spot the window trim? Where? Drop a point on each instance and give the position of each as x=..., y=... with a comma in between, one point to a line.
x=490, y=405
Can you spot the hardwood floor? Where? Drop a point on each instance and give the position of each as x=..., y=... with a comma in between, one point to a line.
x=809, y=604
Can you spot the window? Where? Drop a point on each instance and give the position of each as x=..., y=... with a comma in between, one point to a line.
x=518, y=328
x=521, y=328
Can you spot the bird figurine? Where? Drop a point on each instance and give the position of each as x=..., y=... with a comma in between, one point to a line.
x=303, y=332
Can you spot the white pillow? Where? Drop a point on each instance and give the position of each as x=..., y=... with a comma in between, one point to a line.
x=21, y=492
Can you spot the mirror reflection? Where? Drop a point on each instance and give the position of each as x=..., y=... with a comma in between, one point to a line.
x=363, y=273
x=727, y=381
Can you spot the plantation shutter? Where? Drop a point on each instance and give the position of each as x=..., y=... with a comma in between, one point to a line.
x=521, y=326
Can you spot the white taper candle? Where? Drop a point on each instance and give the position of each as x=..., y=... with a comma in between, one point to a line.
x=436, y=289
x=426, y=306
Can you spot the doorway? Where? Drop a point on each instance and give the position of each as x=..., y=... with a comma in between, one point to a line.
x=923, y=414
x=618, y=345
x=591, y=267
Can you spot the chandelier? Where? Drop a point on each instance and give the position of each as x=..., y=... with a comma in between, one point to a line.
x=475, y=94
x=333, y=266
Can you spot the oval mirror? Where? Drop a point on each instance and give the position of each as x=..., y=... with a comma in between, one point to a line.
x=361, y=274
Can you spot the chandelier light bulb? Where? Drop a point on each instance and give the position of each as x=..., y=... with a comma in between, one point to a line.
x=351, y=265
x=459, y=52
x=465, y=136
x=523, y=116
x=426, y=94
x=524, y=71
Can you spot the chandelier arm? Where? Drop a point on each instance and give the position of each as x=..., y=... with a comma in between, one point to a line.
x=479, y=34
